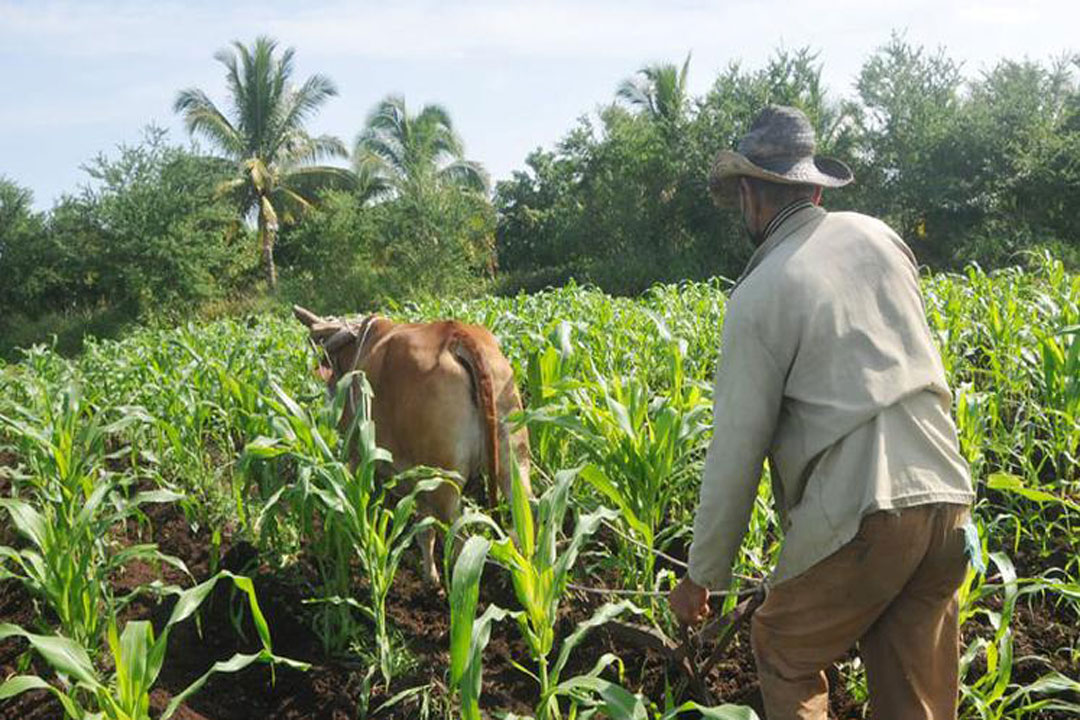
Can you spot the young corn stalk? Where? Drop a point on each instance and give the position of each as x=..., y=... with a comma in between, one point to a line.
x=992, y=695
x=343, y=508
x=136, y=658
x=69, y=507
x=641, y=447
x=540, y=572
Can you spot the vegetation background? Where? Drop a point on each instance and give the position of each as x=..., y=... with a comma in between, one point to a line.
x=967, y=170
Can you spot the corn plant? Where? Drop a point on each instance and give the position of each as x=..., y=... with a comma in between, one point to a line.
x=548, y=367
x=68, y=508
x=642, y=448
x=991, y=695
x=540, y=573
x=136, y=656
x=343, y=508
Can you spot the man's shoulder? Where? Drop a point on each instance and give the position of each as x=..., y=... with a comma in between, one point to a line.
x=849, y=220
x=849, y=238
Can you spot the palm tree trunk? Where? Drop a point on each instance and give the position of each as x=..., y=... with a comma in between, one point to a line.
x=266, y=241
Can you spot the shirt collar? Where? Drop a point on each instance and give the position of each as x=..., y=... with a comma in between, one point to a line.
x=788, y=210
x=789, y=219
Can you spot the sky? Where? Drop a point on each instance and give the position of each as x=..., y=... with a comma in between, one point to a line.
x=81, y=77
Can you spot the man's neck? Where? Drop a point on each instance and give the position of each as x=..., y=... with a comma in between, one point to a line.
x=783, y=214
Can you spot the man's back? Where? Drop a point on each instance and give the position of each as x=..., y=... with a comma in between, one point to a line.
x=828, y=369
x=864, y=422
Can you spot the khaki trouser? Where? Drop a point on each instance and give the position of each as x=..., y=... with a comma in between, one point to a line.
x=892, y=590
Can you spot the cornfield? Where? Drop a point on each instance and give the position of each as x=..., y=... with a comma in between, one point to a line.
x=221, y=431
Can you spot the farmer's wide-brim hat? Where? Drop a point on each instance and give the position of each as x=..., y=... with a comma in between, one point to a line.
x=779, y=148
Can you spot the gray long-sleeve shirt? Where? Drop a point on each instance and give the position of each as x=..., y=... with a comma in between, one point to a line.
x=828, y=368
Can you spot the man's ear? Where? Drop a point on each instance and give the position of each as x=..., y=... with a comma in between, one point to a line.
x=745, y=197
x=816, y=197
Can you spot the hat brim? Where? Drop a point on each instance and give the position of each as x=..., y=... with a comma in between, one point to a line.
x=729, y=166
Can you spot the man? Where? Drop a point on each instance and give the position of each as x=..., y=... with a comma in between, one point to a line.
x=828, y=368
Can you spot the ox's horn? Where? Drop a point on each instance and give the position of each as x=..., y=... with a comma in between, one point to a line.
x=306, y=316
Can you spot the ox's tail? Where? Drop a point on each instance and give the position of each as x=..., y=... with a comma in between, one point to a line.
x=466, y=349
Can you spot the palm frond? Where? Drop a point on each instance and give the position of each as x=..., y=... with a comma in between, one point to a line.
x=297, y=107
x=269, y=213
x=383, y=155
x=261, y=176
x=310, y=180
x=299, y=148
x=467, y=175
x=635, y=93
x=202, y=117
x=291, y=204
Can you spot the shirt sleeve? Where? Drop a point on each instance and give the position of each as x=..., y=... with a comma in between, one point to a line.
x=746, y=404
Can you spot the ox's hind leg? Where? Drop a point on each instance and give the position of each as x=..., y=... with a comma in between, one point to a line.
x=427, y=550
x=443, y=503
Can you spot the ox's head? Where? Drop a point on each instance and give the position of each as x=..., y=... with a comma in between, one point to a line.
x=338, y=340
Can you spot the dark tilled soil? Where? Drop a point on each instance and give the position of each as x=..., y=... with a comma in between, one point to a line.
x=334, y=690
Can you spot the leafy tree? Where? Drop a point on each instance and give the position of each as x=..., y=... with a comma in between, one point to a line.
x=434, y=219
x=622, y=202
x=146, y=236
x=350, y=255
x=26, y=252
x=909, y=109
x=264, y=135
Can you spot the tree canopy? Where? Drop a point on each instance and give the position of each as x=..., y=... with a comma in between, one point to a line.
x=264, y=134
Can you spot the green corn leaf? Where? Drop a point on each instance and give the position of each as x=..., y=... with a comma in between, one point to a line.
x=586, y=526
x=157, y=496
x=552, y=510
x=718, y=712
x=234, y=664
x=65, y=656
x=19, y=684
x=522, y=515
x=136, y=643
x=338, y=600
x=264, y=448
x=464, y=593
x=467, y=519
x=27, y=521
x=472, y=677
x=190, y=600
x=1008, y=482
x=617, y=702
x=603, y=614
x=1050, y=684
x=600, y=480
x=96, y=498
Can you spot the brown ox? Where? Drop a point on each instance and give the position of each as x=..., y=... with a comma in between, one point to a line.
x=442, y=392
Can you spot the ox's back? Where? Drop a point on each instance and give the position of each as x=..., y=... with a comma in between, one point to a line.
x=429, y=404
x=425, y=409
x=442, y=395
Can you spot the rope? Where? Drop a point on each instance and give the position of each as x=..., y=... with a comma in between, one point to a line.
x=673, y=560
x=643, y=546
x=661, y=593
x=365, y=324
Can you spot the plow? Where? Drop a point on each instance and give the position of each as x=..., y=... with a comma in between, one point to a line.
x=686, y=653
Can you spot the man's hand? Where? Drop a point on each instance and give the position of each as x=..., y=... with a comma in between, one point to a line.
x=689, y=601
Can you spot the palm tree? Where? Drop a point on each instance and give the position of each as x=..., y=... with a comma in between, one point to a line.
x=264, y=135
x=658, y=89
x=411, y=155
